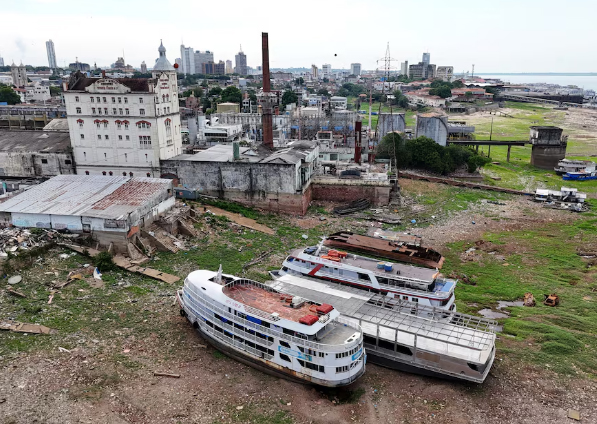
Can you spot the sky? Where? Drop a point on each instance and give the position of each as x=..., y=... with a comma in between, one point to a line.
x=496, y=36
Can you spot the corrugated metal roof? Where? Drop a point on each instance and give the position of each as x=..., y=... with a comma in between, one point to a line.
x=86, y=195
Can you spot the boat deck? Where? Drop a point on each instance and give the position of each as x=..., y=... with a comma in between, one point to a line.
x=338, y=334
x=267, y=301
x=377, y=311
x=370, y=264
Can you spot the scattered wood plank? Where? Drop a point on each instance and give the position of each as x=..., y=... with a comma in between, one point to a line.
x=22, y=327
x=239, y=219
x=165, y=374
x=15, y=293
x=257, y=260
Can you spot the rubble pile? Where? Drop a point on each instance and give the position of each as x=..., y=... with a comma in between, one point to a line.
x=13, y=240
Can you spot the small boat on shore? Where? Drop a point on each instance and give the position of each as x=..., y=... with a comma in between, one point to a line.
x=399, y=251
x=280, y=334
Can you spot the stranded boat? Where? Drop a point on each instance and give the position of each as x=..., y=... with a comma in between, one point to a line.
x=274, y=332
x=407, y=282
x=401, y=251
x=407, y=336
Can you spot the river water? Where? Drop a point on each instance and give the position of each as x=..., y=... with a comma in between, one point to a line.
x=587, y=82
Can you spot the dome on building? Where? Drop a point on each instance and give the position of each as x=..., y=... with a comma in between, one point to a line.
x=162, y=64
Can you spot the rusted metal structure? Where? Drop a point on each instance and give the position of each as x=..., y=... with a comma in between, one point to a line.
x=267, y=98
x=357, y=141
x=400, y=251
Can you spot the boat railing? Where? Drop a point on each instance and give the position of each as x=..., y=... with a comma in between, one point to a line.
x=265, y=330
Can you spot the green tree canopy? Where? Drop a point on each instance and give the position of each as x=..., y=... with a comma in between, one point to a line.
x=55, y=91
x=8, y=95
x=323, y=92
x=443, y=91
x=215, y=91
x=400, y=99
x=232, y=94
x=458, y=84
x=289, y=97
x=299, y=81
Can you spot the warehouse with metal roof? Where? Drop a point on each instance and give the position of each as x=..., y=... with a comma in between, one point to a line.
x=111, y=209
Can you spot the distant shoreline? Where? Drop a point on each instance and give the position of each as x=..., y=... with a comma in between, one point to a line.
x=572, y=74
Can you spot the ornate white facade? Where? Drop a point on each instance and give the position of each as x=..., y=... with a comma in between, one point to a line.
x=124, y=126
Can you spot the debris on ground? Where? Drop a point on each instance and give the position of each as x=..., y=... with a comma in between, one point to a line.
x=355, y=206
x=574, y=414
x=239, y=219
x=165, y=374
x=529, y=299
x=22, y=327
x=15, y=292
x=15, y=279
x=551, y=299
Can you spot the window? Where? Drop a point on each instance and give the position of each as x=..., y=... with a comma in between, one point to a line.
x=120, y=111
x=78, y=110
x=82, y=136
x=126, y=157
x=126, y=126
x=120, y=100
x=103, y=172
x=163, y=98
x=110, y=173
x=99, y=137
x=104, y=100
x=92, y=110
x=342, y=369
x=148, y=175
x=86, y=172
x=76, y=98
x=114, y=110
x=118, y=125
x=127, y=111
x=142, y=111
x=105, y=156
x=80, y=125
x=44, y=161
x=285, y=344
x=130, y=174
x=106, y=110
x=107, y=137
x=67, y=162
x=99, y=99
x=144, y=141
x=167, y=97
x=126, y=100
x=124, y=175
x=105, y=125
x=158, y=111
x=97, y=124
x=99, y=110
x=140, y=99
x=92, y=99
x=120, y=137
x=127, y=138
x=85, y=155
x=113, y=99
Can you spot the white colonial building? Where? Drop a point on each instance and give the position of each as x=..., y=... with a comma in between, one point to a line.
x=124, y=126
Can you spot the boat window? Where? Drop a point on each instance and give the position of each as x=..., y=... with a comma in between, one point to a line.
x=228, y=334
x=405, y=297
x=283, y=343
x=289, y=332
x=404, y=350
x=285, y=357
x=415, y=299
x=218, y=329
x=363, y=276
x=209, y=323
x=203, y=288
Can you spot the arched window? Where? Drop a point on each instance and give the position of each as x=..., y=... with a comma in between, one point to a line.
x=124, y=174
x=86, y=172
x=130, y=174
x=148, y=174
x=103, y=172
x=111, y=173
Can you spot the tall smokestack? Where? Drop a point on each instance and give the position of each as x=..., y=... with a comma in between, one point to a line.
x=266, y=101
x=358, y=127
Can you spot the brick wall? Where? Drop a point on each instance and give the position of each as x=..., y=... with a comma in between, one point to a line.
x=378, y=195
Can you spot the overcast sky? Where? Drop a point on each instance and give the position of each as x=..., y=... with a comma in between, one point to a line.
x=497, y=36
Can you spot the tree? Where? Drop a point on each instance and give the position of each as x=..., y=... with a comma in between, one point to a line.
x=443, y=91
x=55, y=91
x=204, y=83
x=323, y=92
x=289, y=97
x=232, y=94
x=343, y=92
x=299, y=81
x=206, y=104
x=9, y=96
x=468, y=95
x=252, y=96
x=187, y=93
x=458, y=84
x=215, y=91
x=400, y=99
x=326, y=80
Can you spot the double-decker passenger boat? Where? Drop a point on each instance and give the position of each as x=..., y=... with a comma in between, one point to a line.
x=275, y=332
x=406, y=282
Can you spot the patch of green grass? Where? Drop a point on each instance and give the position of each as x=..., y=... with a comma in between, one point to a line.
x=218, y=355
x=258, y=414
x=540, y=261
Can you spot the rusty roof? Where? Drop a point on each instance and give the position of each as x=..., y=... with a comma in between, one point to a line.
x=135, y=84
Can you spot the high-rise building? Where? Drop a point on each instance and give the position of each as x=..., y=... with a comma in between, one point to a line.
x=314, y=72
x=178, y=61
x=202, y=58
x=187, y=56
x=124, y=126
x=445, y=73
x=241, y=63
x=1, y=61
x=426, y=58
x=229, y=69
x=143, y=67
x=404, y=68
x=51, y=54
x=19, y=75
x=326, y=70
x=355, y=69
x=421, y=71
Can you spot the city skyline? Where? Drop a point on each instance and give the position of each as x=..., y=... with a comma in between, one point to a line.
x=500, y=51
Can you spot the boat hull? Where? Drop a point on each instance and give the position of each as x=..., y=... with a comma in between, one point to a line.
x=261, y=364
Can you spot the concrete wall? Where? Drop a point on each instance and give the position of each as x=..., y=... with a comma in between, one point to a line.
x=434, y=127
x=390, y=122
x=546, y=156
x=27, y=164
x=347, y=191
x=253, y=179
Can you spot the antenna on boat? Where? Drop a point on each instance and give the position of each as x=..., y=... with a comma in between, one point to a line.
x=219, y=276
